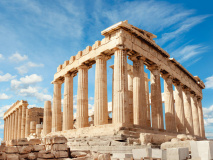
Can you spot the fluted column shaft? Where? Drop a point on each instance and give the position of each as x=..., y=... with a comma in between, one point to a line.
x=201, y=121
x=179, y=108
x=121, y=103
x=169, y=104
x=23, y=121
x=16, y=124
x=68, y=102
x=7, y=128
x=139, y=96
x=82, y=97
x=147, y=100
x=112, y=89
x=156, y=99
x=47, y=117
x=4, y=129
x=188, y=112
x=101, y=101
x=19, y=121
x=56, y=112
x=196, y=123
x=130, y=90
x=10, y=127
x=27, y=127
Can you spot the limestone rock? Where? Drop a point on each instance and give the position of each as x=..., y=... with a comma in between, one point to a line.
x=11, y=149
x=12, y=157
x=31, y=156
x=145, y=138
x=23, y=156
x=105, y=156
x=60, y=154
x=35, y=141
x=37, y=148
x=78, y=154
x=175, y=140
x=45, y=154
x=182, y=137
x=22, y=142
x=61, y=140
x=25, y=149
x=59, y=147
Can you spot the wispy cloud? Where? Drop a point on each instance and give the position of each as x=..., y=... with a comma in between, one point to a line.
x=26, y=67
x=1, y=56
x=209, y=83
x=183, y=27
x=6, y=77
x=187, y=52
x=17, y=57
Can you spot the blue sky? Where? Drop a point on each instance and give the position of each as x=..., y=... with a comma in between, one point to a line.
x=37, y=36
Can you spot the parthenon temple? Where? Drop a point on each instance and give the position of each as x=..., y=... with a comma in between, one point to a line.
x=136, y=98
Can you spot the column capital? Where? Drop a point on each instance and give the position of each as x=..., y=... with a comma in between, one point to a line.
x=69, y=74
x=167, y=76
x=176, y=82
x=136, y=58
x=103, y=56
x=58, y=82
x=154, y=67
x=84, y=66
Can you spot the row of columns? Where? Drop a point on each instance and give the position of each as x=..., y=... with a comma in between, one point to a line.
x=183, y=116
x=15, y=124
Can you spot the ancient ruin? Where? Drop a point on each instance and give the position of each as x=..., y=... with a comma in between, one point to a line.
x=138, y=120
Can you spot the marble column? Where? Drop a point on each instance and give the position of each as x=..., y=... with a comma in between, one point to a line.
x=121, y=103
x=188, y=111
x=196, y=123
x=68, y=102
x=82, y=97
x=4, y=129
x=130, y=90
x=10, y=127
x=169, y=104
x=200, y=114
x=27, y=124
x=16, y=123
x=23, y=120
x=156, y=98
x=32, y=127
x=47, y=125
x=7, y=124
x=13, y=125
x=56, y=112
x=101, y=101
x=147, y=100
x=112, y=66
x=179, y=108
x=19, y=121
x=139, y=95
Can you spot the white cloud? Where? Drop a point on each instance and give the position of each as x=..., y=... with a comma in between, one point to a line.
x=26, y=81
x=209, y=82
x=4, y=96
x=209, y=135
x=26, y=67
x=1, y=56
x=3, y=110
x=6, y=77
x=17, y=57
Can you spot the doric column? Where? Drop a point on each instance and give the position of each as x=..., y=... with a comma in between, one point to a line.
x=16, y=124
x=7, y=128
x=179, y=108
x=23, y=120
x=169, y=104
x=12, y=125
x=148, y=118
x=112, y=66
x=121, y=104
x=82, y=97
x=47, y=125
x=139, y=95
x=156, y=98
x=19, y=121
x=56, y=112
x=200, y=114
x=130, y=90
x=68, y=102
x=4, y=129
x=32, y=127
x=27, y=124
x=196, y=123
x=101, y=101
x=188, y=111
